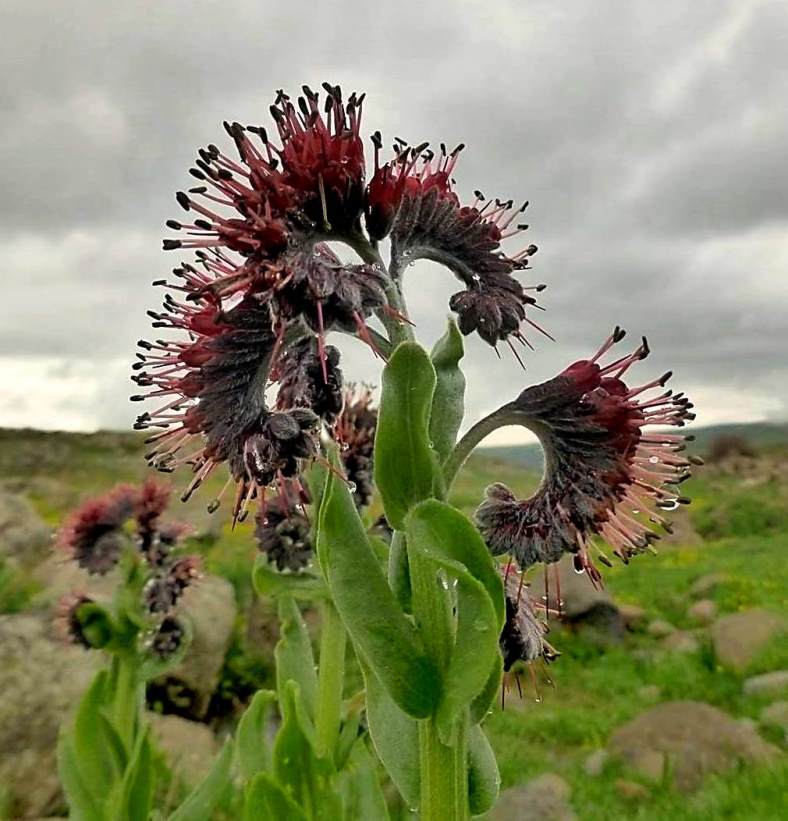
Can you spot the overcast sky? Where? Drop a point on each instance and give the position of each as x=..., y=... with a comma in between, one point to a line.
x=650, y=139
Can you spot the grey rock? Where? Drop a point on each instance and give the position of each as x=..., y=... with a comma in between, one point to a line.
x=705, y=585
x=581, y=603
x=210, y=605
x=594, y=764
x=739, y=637
x=631, y=790
x=41, y=679
x=681, y=641
x=776, y=715
x=544, y=798
x=775, y=682
x=25, y=538
x=693, y=738
x=189, y=746
x=703, y=611
x=659, y=628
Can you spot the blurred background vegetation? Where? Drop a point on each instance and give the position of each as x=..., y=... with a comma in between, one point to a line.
x=701, y=623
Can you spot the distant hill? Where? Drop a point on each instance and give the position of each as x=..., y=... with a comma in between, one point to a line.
x=757, y=434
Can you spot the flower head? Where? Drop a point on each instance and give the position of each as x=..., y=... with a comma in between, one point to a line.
x=93, y=534
x=67, y=621
x=523, y=634
x=283, y=534
x=167, y=638
x=355, y=431
x=412, y=199
x=603, y=467
x=166, y=586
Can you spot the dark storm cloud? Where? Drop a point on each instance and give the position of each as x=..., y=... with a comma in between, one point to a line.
x=648, y=137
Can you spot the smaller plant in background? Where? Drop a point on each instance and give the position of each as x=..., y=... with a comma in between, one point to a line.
x=106, y=759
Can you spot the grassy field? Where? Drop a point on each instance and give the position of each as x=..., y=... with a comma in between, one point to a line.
x=737, y=527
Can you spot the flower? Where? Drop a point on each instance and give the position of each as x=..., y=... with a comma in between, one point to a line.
x=307, y=380
x=412, y=199
x=163, y=590
x=355, y=431
x=93, y=534
x=283, y=533
x=167, y=638
x=523, y=634
x=67, y=621
x=602, y=466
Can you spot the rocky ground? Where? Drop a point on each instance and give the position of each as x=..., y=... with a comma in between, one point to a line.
x=670, y=699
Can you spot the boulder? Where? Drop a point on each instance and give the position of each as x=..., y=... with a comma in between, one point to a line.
x=703, y=611
x=631, y=790
x=768, y=683
x=776, y=715
x=594, y=764
x=544, y=798
x=211, y=607
x=581, y=603
x=25, y=538
x=659, y=628
x=190, y=747
x=41, y=679
x=689, y=739
x=739, y=637
x=681, y=641
x=704, y=585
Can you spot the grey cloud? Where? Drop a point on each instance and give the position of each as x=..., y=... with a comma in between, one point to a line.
x=648, y=138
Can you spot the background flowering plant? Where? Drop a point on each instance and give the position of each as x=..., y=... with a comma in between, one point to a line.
x=248, y=380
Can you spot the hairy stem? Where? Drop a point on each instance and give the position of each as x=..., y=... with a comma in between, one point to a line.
x=331, y=679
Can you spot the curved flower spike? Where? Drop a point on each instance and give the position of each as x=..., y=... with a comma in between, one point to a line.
x=603, y=467
x=93, y=534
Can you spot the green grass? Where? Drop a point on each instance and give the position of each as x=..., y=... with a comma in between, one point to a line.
x=743, y=522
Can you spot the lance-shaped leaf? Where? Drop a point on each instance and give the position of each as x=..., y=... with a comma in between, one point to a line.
x=406, y=469
x=377, y=626
x=482, y=704
x=251, y=743
x=134, y=799
x=295, y=660
x=448, y=401
x=91, y=741
x=305, y=777
x=266, y=799
x=200, y=804
x=81, y=801
x=395, y=736
x=484, y=780
x=440, y=533
x=363, y=797
x=268, y=581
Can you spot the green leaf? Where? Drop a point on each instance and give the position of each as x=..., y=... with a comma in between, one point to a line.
x=399, y=572
x=295, y=660
x=251, y=743
x=81, y=802
x=437, y=531
x=305, y=777
x=482, y=704
x=406, y=469
x=268, y=581
x=136, y=793
x=377, y=626
x=363, y=797
x=96, y=624
x=395, y=736
x=483, y=779
x=448, y=403
x=91, y=742
x=265, y=799
x=202, y=801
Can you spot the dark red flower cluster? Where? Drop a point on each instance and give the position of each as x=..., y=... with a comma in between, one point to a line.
x=605, y=472
x=264, y=288
x=412, y=199
x=96, y=534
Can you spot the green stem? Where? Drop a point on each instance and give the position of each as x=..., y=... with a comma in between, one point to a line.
x=444, y=774
x=444, y=768
x=330, y=680
x=127, y=697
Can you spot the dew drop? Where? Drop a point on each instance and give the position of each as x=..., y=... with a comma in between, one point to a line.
x=654, y=460
x=635, y=510
x=351, y=486
x=538, y=699
x=579, y=570
x=344, y=447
